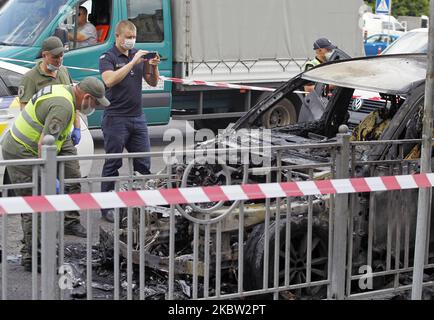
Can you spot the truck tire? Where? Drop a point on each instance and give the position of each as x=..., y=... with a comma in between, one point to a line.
x=254, y=256
x=281, y=114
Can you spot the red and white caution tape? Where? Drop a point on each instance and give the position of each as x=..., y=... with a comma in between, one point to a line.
x=215, y=84
x=189, y=82
x=88, y=201
x=176, y=80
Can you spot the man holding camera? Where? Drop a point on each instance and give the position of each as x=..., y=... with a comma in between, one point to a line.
x=123, y=124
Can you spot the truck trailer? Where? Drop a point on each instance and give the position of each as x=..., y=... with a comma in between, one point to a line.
x=264, y=43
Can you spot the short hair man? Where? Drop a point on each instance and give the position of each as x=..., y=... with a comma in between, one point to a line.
x=86, y=31
x=323, y=51
x=51, y=111
x=124, y=123
x=48, y=71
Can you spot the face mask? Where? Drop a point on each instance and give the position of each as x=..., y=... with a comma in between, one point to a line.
x=129, y=43
x=52, y=68
x=86, y=108
x=328, y=55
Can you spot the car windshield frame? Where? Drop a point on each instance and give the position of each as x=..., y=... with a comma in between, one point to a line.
x=23, y=21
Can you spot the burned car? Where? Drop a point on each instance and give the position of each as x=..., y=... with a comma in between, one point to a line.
x=400, y=82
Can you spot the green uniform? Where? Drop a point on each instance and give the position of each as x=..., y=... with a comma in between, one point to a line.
x=55, y=114
x=35, y=79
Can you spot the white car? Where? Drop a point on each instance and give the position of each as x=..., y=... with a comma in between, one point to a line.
x=10, y=78
x=414, y=41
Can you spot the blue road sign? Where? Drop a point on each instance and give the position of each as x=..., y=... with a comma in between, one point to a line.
x=383, y=6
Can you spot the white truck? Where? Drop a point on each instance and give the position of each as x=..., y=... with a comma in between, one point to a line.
x=262, y=43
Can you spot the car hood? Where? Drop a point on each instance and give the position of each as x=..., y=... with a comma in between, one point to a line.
x=261, y=142
x=390, y=74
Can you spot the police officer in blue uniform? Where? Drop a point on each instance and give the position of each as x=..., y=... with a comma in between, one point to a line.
x=124, y=123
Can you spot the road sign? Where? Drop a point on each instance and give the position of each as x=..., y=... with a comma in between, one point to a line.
x=383, y=7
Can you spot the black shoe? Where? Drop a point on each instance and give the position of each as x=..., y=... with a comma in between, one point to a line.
x=108, y=215
x=76, y=229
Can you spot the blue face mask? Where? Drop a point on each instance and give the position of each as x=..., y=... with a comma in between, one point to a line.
x=129, y=43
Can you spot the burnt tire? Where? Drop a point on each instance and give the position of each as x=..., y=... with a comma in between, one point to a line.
x=254, y=256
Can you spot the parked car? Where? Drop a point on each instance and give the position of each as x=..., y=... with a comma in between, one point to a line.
x=376, y=43
x=10, y=78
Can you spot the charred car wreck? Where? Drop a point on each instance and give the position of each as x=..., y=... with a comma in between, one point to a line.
x=398, y=81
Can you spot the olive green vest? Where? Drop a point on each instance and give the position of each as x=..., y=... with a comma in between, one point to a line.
x=27, y=128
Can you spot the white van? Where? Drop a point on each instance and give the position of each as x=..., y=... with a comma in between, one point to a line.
x=381, y=23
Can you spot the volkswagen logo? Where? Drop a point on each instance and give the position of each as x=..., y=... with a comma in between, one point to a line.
x=357, y=104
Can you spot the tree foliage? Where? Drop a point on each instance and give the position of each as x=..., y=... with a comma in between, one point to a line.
x=414, y=8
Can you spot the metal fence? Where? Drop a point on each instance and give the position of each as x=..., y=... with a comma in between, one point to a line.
x=315, y=247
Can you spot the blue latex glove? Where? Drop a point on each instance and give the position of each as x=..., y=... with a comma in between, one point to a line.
x=76, y=136
x=57, y=186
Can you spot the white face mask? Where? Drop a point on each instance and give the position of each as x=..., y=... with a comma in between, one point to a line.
x=129, y=43
x=86, y=107
x=328, y=55
x=52, y=68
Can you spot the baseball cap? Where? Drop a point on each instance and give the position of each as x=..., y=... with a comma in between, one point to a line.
x=96, y=89
x=323, y=43
x=54, y=45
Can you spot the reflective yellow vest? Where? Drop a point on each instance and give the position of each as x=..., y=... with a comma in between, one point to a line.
x=312, y=63
x=27, y=128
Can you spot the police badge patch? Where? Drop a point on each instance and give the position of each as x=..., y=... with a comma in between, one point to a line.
x=20, y=91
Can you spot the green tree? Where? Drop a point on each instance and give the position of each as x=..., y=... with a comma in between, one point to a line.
x=406, y=7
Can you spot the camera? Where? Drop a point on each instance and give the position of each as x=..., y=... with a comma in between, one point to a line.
x=150, y=55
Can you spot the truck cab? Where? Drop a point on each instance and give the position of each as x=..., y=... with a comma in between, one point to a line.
x=24, y=24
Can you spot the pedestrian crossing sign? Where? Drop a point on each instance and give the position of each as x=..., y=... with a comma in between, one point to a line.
x=383, y=6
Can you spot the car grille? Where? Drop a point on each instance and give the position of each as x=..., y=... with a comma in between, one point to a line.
x=368, y=106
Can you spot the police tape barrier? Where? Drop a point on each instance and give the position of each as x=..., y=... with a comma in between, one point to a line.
x=190, y=82
x=127, y=199
x=218, y=84
x=176, y=80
